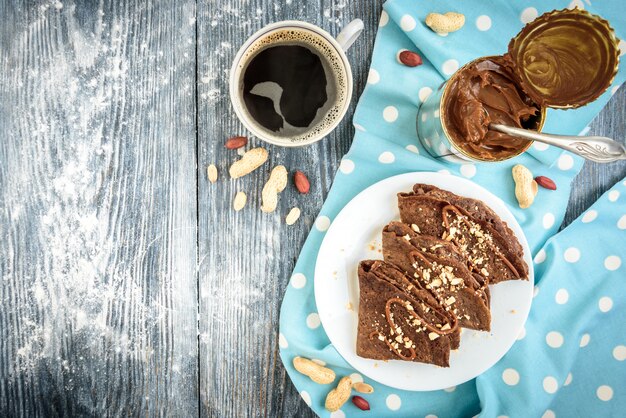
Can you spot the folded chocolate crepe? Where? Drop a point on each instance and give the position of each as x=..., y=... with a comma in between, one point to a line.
x=476, y=208
x=437, y=266
x=397, y=325
x=488, y=253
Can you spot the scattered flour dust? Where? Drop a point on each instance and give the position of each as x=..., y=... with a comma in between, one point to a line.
x=213, y=84
x=76, y=284
x=335, y=13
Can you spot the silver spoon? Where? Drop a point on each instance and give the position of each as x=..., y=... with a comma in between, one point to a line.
x=595, y=148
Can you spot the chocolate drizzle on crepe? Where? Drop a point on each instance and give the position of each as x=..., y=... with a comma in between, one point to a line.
x=396, y=324
x=488, y=252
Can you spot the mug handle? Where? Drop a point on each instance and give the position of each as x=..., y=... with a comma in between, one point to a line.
x=349, y=33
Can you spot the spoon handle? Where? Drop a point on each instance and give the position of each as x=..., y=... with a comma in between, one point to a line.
x=595, y=148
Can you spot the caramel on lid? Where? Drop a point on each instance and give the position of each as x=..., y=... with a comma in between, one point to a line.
x=565, y=58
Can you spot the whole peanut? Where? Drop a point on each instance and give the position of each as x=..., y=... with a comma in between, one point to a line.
x=318, y=374
x=276, y=184
x=525, y=186
x=338, y=396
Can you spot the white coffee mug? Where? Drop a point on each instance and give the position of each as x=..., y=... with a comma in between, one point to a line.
x=344, y=40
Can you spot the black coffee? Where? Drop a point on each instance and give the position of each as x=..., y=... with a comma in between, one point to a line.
x=285, y=85
x=293, y=85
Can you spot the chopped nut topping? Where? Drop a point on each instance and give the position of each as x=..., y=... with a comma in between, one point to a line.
x=433, y=336
x=445, y=327
x=407, y=237
x=456, y=281
x=450, y=300
x=435, y=283
x=415, y=228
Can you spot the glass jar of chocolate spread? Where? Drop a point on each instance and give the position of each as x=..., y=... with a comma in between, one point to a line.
x=563, y=59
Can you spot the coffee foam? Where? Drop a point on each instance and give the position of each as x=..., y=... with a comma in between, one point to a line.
x=336, y=77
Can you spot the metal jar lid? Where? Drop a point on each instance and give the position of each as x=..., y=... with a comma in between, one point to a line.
x=565, y=58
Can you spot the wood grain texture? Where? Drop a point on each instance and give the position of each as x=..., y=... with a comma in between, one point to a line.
x=247, y=257
x=115, y=248
x=98, y=284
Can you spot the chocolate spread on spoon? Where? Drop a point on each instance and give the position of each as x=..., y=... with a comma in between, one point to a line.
x=482, y=93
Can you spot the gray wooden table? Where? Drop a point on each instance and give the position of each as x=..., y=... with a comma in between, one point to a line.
x=128, y=285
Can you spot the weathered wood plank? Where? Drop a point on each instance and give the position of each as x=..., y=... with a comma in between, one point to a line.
x=247, y=257
x=98, y=210
x=98, y=290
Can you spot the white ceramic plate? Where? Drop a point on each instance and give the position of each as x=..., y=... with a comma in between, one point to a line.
x=355, y=235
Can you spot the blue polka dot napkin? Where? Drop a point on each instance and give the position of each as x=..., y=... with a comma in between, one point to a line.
x=569, y=361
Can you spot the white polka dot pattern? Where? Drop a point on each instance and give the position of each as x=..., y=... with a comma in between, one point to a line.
x=584, y=340
x=313, y=321
x=619, y=353
x=561, y=297
x=550, y=385
x=554, y=339
x=386, y=157
x=529, y=14
x=393, y=402
x=605, y=304
x=424, y=92
x=605, y=393
x=356, y=377
x=565, y=162
x=346, y=166
x=548, y=220
x=590, y=216
x=540, y=257
x=390, y=114
x=468, y=170
x=373, y=77
x=282, y=341
x=384, y=19
x=612, y=262
x=568, y=379
x=572, y=255
x=510, y=377
x=483, y=23
x=407, y=23
x=306, y=397
x=298, y=280
x=322, y=223
x=450, y=66
x=413, y=149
